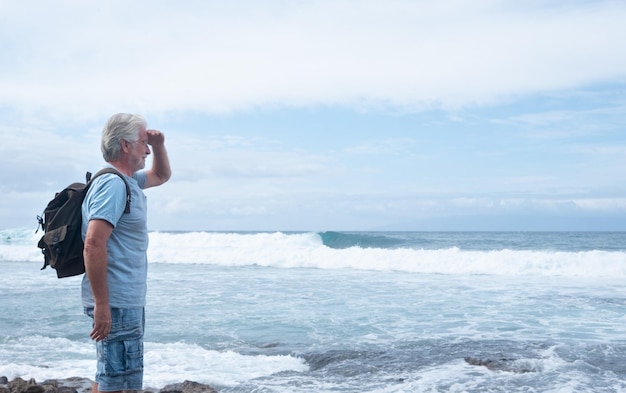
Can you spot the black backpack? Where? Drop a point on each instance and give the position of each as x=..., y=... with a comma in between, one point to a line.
x=62, y=243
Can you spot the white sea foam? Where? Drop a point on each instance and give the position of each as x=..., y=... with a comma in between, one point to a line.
x=306, y=250
x=43, y=358
x=165, y=363
x=168, y=363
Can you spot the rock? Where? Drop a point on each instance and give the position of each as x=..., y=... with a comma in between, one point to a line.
x=501, y=364
x=70, y=385
x=18, y=385
x=187, y=387
x=83, y=385
x=35, y=389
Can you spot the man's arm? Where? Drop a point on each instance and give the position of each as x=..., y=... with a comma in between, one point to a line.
x=95, y=255
x=160, y=171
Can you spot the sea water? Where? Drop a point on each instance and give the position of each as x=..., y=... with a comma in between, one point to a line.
x=344, y=312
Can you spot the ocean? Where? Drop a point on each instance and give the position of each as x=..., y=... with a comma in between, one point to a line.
x=344, y=312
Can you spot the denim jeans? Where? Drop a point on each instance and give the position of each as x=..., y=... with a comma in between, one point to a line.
x=120, y=354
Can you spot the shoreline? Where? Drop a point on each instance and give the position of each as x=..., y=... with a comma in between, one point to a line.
x=84, y=385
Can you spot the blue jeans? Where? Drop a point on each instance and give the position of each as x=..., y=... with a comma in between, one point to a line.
x=120, y=354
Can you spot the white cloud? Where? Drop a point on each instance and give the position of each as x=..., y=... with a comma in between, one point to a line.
x=602, y=204
x=67, y=65
x=85, y=59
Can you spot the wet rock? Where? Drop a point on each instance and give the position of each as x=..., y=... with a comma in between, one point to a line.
x=19, y=385
x=500, y=364
x=187, y=387
x=83, y=385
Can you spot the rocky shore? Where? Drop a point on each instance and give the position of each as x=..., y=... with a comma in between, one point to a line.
x=83, y=385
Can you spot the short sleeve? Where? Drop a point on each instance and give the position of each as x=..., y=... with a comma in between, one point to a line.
x=141, y=178
x=106, y=199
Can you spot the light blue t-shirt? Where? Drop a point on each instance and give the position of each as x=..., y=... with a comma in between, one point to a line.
x=126, y=248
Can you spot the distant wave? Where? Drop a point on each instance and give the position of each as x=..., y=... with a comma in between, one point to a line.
x=341, y=240
x=335, y=250
x=307, y=250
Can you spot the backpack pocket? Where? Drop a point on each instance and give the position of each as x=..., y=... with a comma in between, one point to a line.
x=56, y=246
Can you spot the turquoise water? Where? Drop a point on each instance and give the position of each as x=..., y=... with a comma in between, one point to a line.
x=346, y=312
x=482, y=241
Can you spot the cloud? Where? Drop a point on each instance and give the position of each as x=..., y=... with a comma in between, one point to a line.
x=318, y=114
x=84, y=59
x=602, y=204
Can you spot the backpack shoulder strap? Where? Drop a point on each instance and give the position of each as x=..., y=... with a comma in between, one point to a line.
x=115, y=171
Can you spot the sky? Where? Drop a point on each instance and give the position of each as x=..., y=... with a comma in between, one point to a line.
x=320, y=115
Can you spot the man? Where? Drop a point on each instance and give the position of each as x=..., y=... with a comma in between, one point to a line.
x=114, y=286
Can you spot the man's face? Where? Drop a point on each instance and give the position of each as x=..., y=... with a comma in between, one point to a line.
x=139, y=150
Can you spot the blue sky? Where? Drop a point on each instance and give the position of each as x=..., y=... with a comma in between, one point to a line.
x=327, y=115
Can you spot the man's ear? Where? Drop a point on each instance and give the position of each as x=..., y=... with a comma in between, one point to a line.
x=125, y=145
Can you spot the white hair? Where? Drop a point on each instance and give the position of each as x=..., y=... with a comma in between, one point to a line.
x=121, y=126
